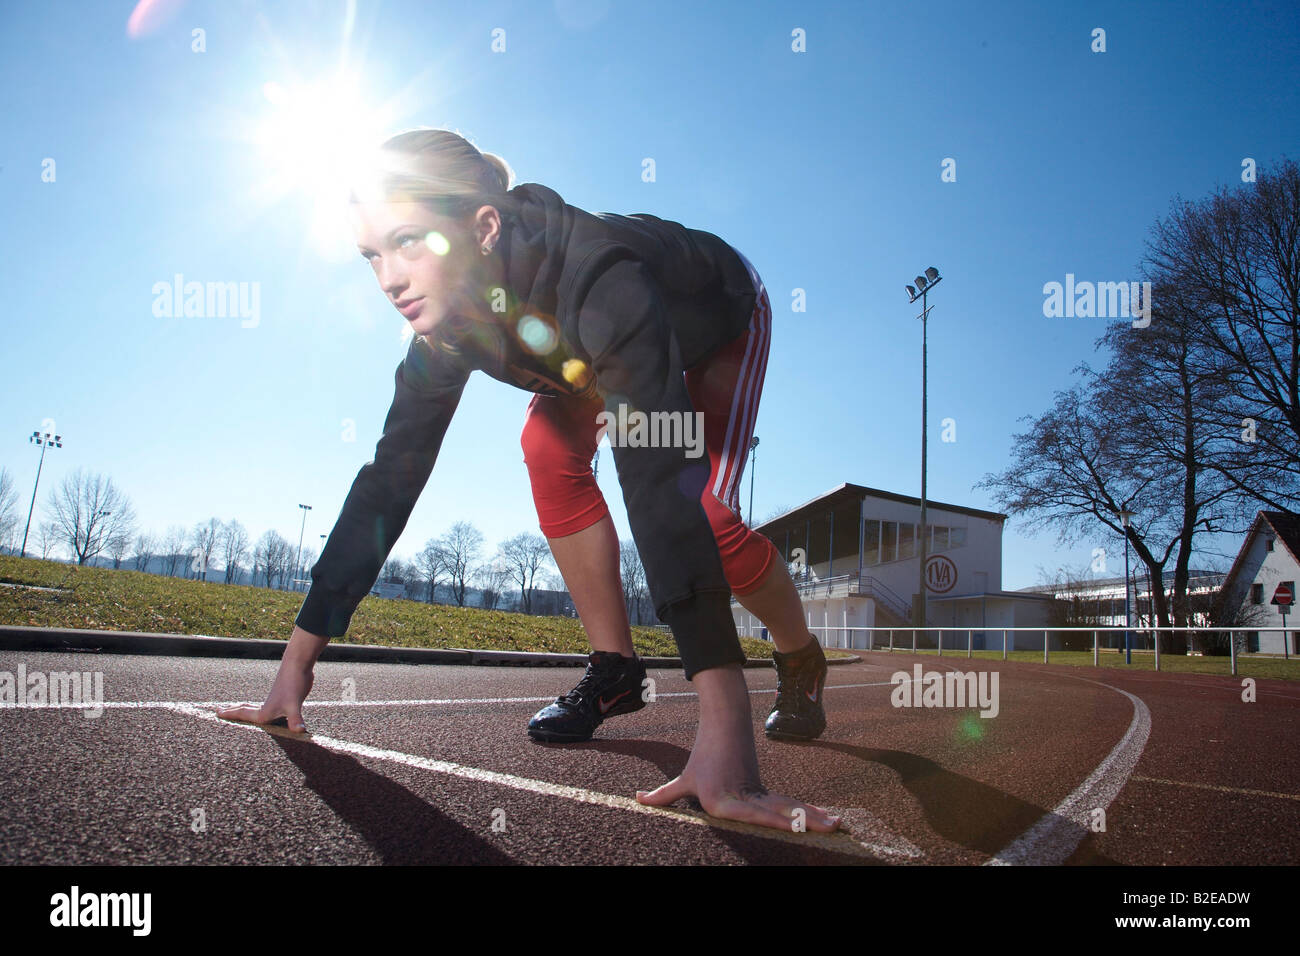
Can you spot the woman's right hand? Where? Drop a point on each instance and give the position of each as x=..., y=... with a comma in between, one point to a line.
x=291, y=686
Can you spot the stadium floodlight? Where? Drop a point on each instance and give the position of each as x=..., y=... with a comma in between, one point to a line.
x=296, y=570
x=924, y=283
x=45, y=441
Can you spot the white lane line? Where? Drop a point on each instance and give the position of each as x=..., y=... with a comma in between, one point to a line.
x=1056, y=835
x=425, y=702
x=894, y=847
x=1221, y=789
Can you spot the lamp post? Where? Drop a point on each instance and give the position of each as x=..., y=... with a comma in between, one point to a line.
x=753, y=458
x=45, y=441
x=924, y=283
x=98, y=514
x=1126, y=516
x=296, y=570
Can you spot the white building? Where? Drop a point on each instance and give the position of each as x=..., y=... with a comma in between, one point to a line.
x=857, y=565
x=1102, y=601
x=1269, y=556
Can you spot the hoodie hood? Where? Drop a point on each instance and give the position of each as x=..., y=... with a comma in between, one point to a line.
x=536, y=225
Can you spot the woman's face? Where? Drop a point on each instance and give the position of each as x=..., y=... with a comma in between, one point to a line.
x=427, y=264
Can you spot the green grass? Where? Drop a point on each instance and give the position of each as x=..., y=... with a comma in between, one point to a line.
x=1247, y=666
x=122, y=600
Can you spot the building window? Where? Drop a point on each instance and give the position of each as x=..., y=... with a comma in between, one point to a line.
x=956, y=537
x=871, y=542
x=940, y=538
x=888, y=540
x=906, y=548
x=1257, y=594
x=1268, y=545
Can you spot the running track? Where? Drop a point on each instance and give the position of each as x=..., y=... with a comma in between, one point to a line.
x=427, y=759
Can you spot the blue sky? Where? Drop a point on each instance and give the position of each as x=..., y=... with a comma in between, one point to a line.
x=823, y=167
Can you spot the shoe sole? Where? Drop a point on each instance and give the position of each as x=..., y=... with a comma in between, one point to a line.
x=559, y=737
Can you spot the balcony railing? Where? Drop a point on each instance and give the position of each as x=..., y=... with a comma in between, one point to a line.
x=854, y=584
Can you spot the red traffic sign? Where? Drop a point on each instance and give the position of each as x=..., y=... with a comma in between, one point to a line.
x=1282, y=595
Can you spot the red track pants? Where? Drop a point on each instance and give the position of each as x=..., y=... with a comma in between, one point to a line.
x=559, y=442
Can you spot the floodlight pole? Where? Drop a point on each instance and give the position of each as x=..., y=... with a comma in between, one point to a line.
x=925, y=286
x=297, y=571
x=753, y=463
x=44, y=441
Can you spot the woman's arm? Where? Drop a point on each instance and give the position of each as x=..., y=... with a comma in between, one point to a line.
x=623, y=326
x=428, y=388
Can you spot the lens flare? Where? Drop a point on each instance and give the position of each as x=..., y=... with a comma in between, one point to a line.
x=536, y=335
x=970, y=729
x=576, y=372
x=438, y=243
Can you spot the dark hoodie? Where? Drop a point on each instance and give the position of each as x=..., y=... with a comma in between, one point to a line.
x=598, y=306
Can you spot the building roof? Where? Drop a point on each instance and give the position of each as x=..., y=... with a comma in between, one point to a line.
x=1194, y=579
x=849, y=492
x=1018, y=595
x=1285, y=527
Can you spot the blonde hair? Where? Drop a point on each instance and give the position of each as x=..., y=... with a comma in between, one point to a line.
x=442, y=170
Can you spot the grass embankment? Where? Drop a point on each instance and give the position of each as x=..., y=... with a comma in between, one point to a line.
x=122, y=600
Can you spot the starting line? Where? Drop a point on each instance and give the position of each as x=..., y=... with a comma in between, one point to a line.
x=840, y=842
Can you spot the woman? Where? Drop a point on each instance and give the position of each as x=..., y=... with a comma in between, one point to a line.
x=592, y=313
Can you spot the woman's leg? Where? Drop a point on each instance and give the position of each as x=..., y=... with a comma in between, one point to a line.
x=589, y=562
x=559, y=441
x=727, y=388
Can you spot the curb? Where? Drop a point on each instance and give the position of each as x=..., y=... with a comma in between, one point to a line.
x=22, y=638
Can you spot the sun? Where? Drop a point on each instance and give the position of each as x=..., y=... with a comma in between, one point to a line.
x=318, y=141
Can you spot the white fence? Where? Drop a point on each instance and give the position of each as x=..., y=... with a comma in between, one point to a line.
x=905, y=638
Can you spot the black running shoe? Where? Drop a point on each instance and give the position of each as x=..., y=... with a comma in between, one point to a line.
x=800, y=681
x=611, y=686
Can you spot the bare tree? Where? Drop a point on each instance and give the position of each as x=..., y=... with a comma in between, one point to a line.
x=305, y=563
x=776, y=513
x=9, y=511
x=431, y=561
x=1073, y=606
x=203, y=544
x=89, y=511
x=632, y=572
x=1160, y=389
x=50, y=535
x=233, y=542
x=274, y=553
x=1234, y=259
x=173, y=549
x=118, y=545
x=460, y=546
x=524, y=555
x=492, y=579
x=144, y=545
